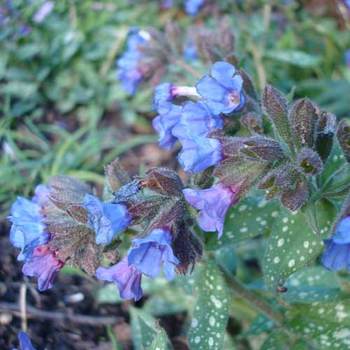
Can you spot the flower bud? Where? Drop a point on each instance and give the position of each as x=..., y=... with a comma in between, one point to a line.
x=275, y=106
x=262, y=148
x=343, y=135
x=297, y=197
x=303, y=118
x=187, y=247
x=253, y=122
x=309, y=162
x=325, y=131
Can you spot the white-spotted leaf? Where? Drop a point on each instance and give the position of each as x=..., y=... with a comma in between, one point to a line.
x=252, y=217
x=312, y=284
x=291, y=246
x=327, y=325
x=211, y=311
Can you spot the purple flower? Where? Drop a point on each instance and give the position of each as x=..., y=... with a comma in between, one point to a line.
x=107, y=219
x=192, y=7
x=169, y=116
x=44, y=10
x=129, y=72
x=167, y=4
x=28, y=230
x=336, y=255
x=126, y=277
x=24, y=342
x=222, y=89
x=199, y=153
x=213, y=204
x=44, y=266
x=196, y=120
x=153, y=252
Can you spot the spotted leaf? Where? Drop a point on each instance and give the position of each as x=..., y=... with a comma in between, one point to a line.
x=291, y=246
x=326, y=325
x=311, y=285
x=211, y=310
x=252, y=217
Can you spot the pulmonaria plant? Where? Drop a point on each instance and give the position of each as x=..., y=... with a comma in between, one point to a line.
x=233, y=142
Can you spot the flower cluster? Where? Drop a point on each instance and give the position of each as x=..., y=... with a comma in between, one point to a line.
x=215, y=95
x=147, y=255
x=29, y=233
x=157, y=249
x=130, y=72
x=65, y=223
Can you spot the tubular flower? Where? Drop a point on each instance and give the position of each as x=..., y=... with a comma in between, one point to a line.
x=199, y=153
x=222, y=90
x=44, y=266
x=336, y=255
x=129, y=72
x=107, y=219
x=28, y=229
x=213, y=204
x=169, y=115
x=153, y=252
x=125, y=276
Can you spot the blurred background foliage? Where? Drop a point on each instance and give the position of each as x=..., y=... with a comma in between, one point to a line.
x=61, y=103
x=62, y=111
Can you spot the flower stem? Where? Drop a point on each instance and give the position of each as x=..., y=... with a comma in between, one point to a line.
x=253, y=300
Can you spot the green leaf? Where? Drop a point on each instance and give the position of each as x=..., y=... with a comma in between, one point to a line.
x=253, y=216
x=312, y=284
x=108, y=294
x=325, y=324
x=275, y=341
x=292, y=245
x=211, y=310
x=160, y=342
x=294, y=57
x=144, y=329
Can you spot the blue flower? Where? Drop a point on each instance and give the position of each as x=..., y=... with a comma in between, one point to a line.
x=107, y=219
x=162, y=93
x=347, y=58
x=24, y=342
x=199, y=153
x=222, y=89
x=43, y=265
x=190, y=52
x=196, y=120
x=336, y=255
x=153, y=252
x=129, y=72
x=125, y=276
x=28, y=229
x=192, y=7
x=169, y=116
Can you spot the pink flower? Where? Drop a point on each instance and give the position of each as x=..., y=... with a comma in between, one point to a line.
x=44, y=265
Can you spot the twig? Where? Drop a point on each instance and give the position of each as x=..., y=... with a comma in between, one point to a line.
x=23, y=306
x=33, y=312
